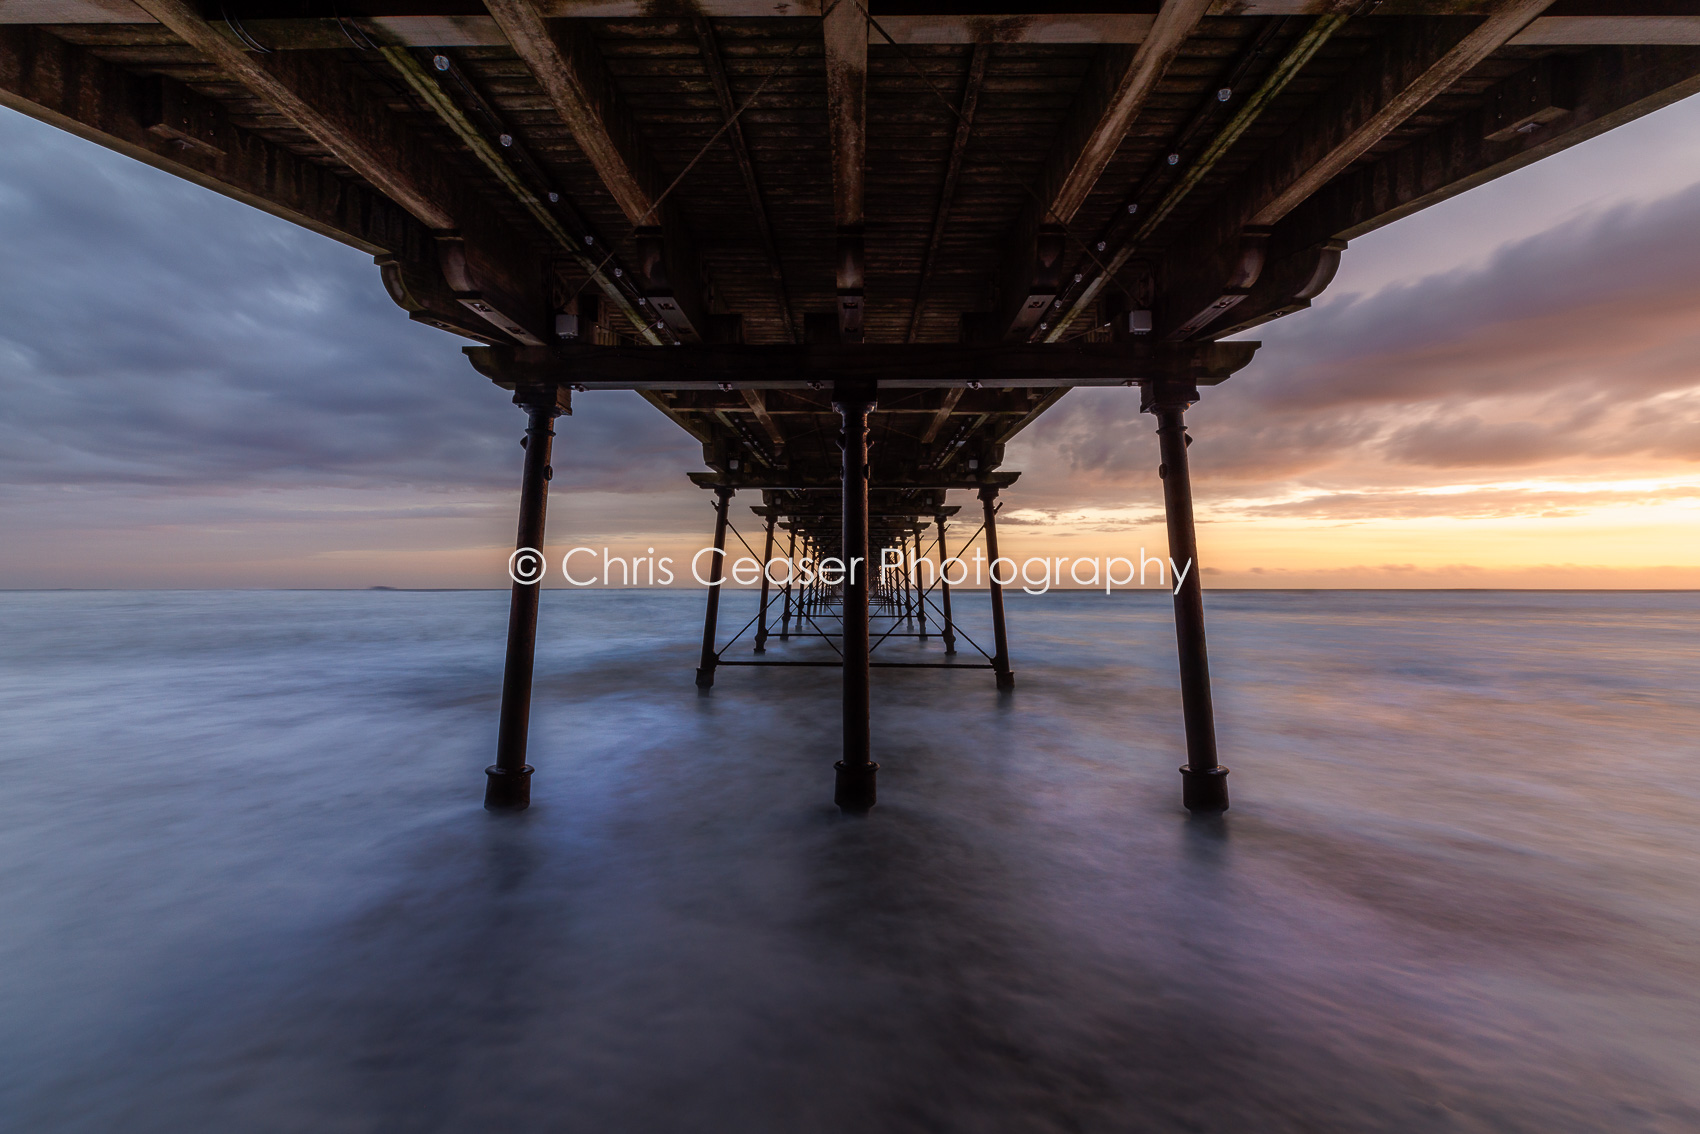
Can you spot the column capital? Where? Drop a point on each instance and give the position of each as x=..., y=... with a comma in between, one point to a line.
x=550, y=397
x=850, y=395
x=1164, y=394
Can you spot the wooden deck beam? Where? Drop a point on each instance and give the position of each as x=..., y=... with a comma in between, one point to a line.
x=965, y=108
x=485, y=266
x=844, y=32
x=1606, y=88
x=893, y=366
x=716, y=68
x=1401, y=75
x=567, y=65
x=162, y=123
x=1111, y=96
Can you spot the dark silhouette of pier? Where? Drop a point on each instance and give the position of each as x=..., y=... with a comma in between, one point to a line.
x=852, y=247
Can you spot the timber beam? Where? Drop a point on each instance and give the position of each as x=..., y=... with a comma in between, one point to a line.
x=1577, y=98
x=1402, y=73
x=566, y=63
x=715, y=65
x=893, y=366
x=1598, y=90
x=163, y=123
x=844, y=32
x=484, y=265
x=834, y=484
x=965, y=108
x=1110, y=98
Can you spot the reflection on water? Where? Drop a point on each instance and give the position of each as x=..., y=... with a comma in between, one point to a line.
x=247, y=884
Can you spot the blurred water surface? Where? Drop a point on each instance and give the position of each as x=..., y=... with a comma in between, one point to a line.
x=247, y=885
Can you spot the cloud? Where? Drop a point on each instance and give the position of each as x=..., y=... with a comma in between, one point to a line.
x=1576, y=349
x=156, y=334
x=1475, y=503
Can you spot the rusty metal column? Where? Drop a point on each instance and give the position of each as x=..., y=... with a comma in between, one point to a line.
x=766, y=560
x=944, y=591
x=711, y=618
x=853, y=789
x=908, y=600
x=790, y=578
x=1000, y=639
x=806, y=598
x=1204, y=782
x=507, y=783
x=920, y=591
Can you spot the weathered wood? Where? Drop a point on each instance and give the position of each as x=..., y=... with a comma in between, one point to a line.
x=1402, y=74
x=71, y=88
x=1076, y=167
x=1113, y=94
x=845, y=34
x=965, y=107
x=1330, y=146
x=328, y=108
x=892, y=366
x=716, y=68
x=941, y=416
x=565, y=62
x=1608, y=87
x=449, y=112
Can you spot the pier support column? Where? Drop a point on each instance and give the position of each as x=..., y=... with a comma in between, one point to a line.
x=766, y=560
x=853, y=789
x=790, y=578
x=1204, y=782
x=1000, y=637
x=944, y=591
x=920, y=591
x=711, y=617
x=906, y=599
x=507, y=783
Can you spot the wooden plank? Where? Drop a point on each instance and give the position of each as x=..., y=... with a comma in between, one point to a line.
x=1607, y=87
x=1362, y=122
x=1080, y=169
x=1114, y=92
x=578, y=89
x=566, y=64
x=965, y=108
x=893, y=366
x=71, y=88
x=941, y=416
x=361, y=134
x=1215, y=266
x=716, y=68
x=845, y=34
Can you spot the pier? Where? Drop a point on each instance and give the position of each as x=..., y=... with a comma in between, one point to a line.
x=853, y=248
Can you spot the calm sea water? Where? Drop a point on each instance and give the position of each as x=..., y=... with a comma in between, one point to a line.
x=247, y=885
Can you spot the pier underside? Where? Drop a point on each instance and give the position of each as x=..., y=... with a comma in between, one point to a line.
x=851, y=247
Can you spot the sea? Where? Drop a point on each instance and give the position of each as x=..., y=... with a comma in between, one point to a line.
x=247, y=883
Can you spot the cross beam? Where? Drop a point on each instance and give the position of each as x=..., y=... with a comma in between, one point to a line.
x=923, y=366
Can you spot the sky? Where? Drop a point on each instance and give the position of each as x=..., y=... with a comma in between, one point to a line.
x=1500, y=391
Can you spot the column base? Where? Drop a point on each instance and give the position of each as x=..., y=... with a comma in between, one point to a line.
x=705, y=677
x=1006, y=678
x=853, y=787
x=1205, y=789
x=506, y=790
